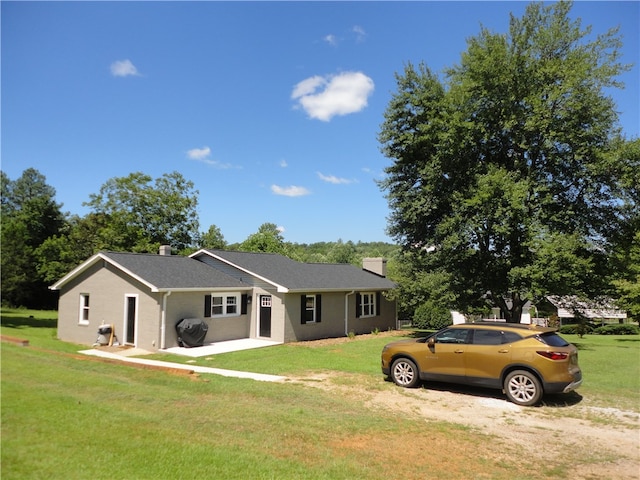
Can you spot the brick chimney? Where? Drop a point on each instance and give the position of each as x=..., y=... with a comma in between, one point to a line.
x=165, y=250
x=377, y=265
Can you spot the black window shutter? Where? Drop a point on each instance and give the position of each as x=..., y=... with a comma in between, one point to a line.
x=303, y=309
x=318, y=308
x=243, y=304
x=358, y=305
x=207, y=305
x=378, y=304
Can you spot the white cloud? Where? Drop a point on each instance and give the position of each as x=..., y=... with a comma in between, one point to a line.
x=203, y=155
x=333, y=179
x=360, y=33
x=291, y=191
x=124, y=68
x=325, y=97
x=283, y=163
x=331, y=39
x=307, y=86
x=199, y=153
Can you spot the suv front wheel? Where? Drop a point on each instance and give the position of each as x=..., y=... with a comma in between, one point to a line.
x=523, y=388
x=404, y=373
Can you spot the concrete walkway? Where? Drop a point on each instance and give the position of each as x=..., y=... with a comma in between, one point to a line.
x=180, y=366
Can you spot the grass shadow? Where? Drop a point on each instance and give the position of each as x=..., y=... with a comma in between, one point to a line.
x=18, y=321
x=560, y=400
x=553, y=401
x=417, y=333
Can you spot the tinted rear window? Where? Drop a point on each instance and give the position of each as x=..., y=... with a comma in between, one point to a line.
x=552, y=339
x=510, y=337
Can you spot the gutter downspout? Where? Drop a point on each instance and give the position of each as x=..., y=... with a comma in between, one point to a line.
x=163, y=323
x=346, y=312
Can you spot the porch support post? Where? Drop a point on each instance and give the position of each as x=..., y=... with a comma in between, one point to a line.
x=163, y=322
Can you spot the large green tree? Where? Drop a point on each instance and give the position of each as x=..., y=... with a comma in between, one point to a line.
x=79, y=239
x=143, y=214
x=502, y=179
x=213, y=238
x=268, y=239
x=30, y=215
x=626, y=239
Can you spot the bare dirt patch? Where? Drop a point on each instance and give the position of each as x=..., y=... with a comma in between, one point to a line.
x=565, y=437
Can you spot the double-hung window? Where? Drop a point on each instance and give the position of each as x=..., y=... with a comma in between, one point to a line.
x=310, y=308
x=222, y=305
x=83, y=314
x=367, y=304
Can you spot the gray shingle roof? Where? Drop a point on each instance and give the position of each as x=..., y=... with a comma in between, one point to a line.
x=173, y=271
x=304, y=276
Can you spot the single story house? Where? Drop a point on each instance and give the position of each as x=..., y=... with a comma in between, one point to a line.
x=567, y=307
x=238, y=294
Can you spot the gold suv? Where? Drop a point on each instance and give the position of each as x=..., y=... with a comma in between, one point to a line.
x=525, y=361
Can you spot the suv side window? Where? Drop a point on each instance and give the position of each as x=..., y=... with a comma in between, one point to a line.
x=487, y=337
x=453, y=335
x=510, y=337
x=494, y=337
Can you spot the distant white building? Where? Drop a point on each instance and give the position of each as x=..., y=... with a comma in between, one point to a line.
x=458, y=318
x=602, y=310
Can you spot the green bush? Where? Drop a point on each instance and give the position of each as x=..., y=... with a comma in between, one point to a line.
x=618, y=329
x=577, y=329
x=432, y=317
x=613, y=329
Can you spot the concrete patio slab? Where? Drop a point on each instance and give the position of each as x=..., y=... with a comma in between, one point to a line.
x=221, y=347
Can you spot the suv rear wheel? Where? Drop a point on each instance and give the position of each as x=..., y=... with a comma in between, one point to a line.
x=404, y=373
x=523, y=388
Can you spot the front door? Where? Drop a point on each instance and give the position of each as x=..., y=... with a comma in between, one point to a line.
x=130, y=316
x=265, y=316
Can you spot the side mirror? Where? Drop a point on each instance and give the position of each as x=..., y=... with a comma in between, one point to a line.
x=431, y=342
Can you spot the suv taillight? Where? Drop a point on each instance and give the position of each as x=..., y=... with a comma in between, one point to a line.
x=553, y=355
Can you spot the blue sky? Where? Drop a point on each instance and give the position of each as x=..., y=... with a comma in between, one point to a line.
x=272, y=109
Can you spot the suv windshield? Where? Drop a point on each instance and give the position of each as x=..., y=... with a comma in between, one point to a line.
x=552, y=339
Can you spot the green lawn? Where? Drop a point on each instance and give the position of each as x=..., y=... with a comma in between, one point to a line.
x=352, y=356
x=611, y=368
x=70, y=417
x=610, y=364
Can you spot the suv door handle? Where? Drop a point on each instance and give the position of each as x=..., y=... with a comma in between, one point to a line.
x=458, y=351
x=503, y=351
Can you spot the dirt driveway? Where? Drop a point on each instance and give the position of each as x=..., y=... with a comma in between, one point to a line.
x=599, y=443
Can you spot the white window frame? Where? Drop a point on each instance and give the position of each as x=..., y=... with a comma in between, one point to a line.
x=230, y=304
x=311, y=309
x=84, y=309
x=368, y=305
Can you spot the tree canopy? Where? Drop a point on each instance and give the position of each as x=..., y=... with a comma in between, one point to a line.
x=30, y=215
x=144, y=215
x=506, y=173
x=268, y=238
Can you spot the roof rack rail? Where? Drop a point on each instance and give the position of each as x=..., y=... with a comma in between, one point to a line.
x=524, y=326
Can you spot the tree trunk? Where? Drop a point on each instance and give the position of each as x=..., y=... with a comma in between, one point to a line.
x=513, y=314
